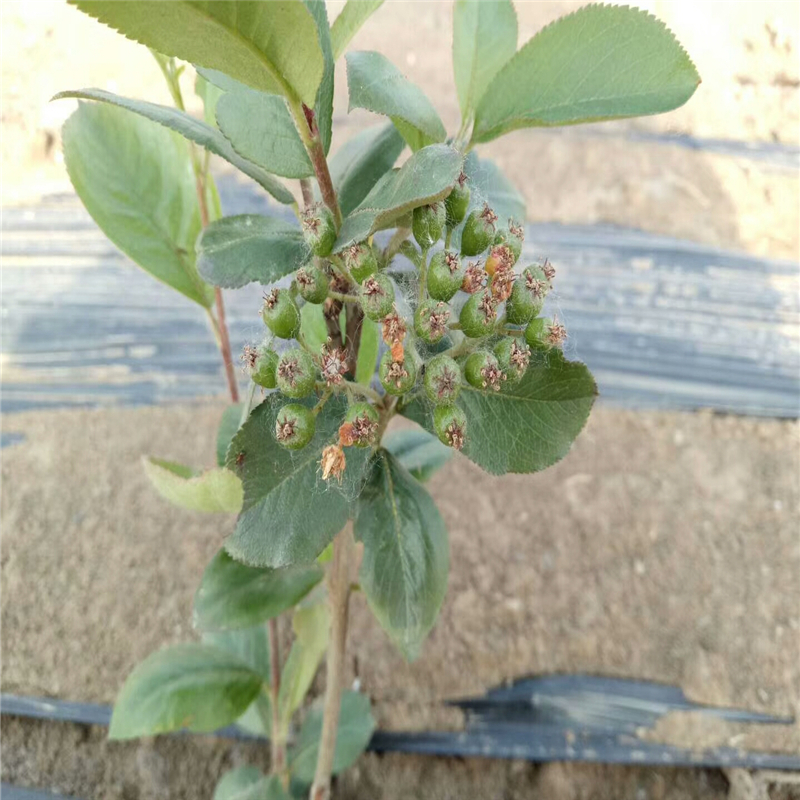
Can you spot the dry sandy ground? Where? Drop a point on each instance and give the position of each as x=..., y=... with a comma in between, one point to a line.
x=673, y=553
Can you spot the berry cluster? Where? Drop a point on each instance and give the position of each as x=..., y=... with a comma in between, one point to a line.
x=488, y=346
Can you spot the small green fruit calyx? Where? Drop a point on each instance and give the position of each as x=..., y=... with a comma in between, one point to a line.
x=430, y=321
x=312, y=283
x=513, y=356
x=397, y=377
x=479, y=315
x=281, y=314
x=427, y=224
x=319, y=229
x=296, y=373
x=294, y=426
x=543, y=333
x=360, y=426
x=478, y=231
x=261, y=364
x=377, y=296
x=527, y=296
x=442, y=380
x=514, y=236
x=482, y=370
x=360, y=261
x=445, y=275
x=457, y=202
x=450, y=424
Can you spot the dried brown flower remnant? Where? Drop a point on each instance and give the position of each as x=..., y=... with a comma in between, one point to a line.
x=500, y=257
x=492, y=377
x=396, y=372
x=536, y=287
x=488, y=214
x=489, y=306
x=271, y=299
x=452, y=261
x=304, y=278
x=289, y=369
x=519, y=357
x=455, y=435
x=284, y=431
x=398, y=352
x=393, y=328
x=333, y=462
x=556, y=334
x=549, y=270
x=438, y=319
x=249, y=357
x=516, y=230
x=503, y=283
x=475, y=278
x=333, y=365
x=360, y=431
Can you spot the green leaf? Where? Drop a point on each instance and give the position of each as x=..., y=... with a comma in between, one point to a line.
x=484, y=38
x=234, y=251
x=228, y=425
x=359, y=163
x=136, y=180
x=247, y=783
x=250, y=646
x=234, y=785
x=311, y=627
x=209, y=94
x=323, y=104
x=233, y=595
x=367, y=351
x=418, y=451
x=354, y=14
x=213, y=491
x=312, y=326
x=272, y=47
x=260, y=129
x=356, y=725
x=427, y=176
x=192, y=129
x=599, y=63
x=190, y=686
x=406, y=559
x=290, y=513
x=530, y=425
x=378, y=86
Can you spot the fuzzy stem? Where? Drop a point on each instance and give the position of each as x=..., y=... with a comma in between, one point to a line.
x=308, y=194
x=277, y=745
x=306, y=125
x=338, y=597
x=345, y=298
x=447, y=237
x=423, y=276
x=393, y=248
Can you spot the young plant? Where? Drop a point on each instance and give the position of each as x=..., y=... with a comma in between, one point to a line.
x=439, y=321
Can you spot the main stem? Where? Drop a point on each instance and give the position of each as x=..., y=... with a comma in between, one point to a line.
x=338, y=598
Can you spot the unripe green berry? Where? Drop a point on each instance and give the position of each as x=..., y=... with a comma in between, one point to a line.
x=513, y=356
x=261, y=363
x=427, y=223
x=442, y=380
x=312, y=283
x=377, y=296
x=430, y=321
x=397, y=377
x=479, y=315
x=360, y=260
x=482, y=370
x=296, y=373
x=543, y=333
x=527, y=296
x=319, y=229
x=294, y=426
x=513, y=236
x=478, y=231
x=457, y=202
x=360, y=425
x=445, y=275
x=281, y=314
x=450, y=424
